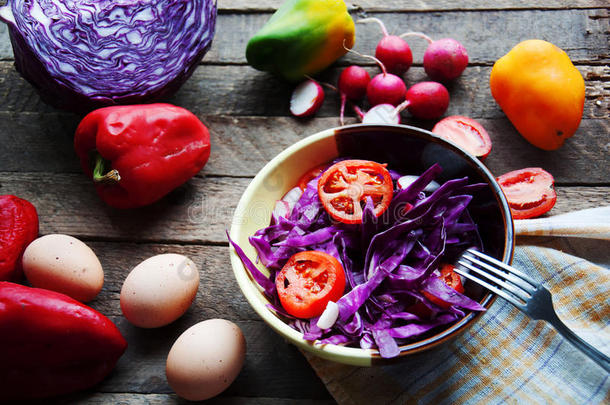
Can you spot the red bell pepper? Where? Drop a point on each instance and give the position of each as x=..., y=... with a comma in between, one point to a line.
x=136, y=154
x=51, y=344
x=18, y=228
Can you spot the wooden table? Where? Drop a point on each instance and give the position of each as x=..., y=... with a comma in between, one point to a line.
x=247, y=114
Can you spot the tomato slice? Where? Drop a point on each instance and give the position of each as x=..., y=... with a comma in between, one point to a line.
x=466, y=133
x=530, y=192
x=344, y=187
x=452, y=279
x=310, y=175
x=308, y=281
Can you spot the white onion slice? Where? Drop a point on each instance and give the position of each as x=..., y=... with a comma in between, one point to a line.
x=293, y=195
x=406, y=181
x=329, y=316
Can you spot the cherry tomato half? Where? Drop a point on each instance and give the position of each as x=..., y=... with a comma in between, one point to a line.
x=466, y=133
x=530, y=192
x=344, y=187
x=308, y=281
x=310, y=175
x=452, y=279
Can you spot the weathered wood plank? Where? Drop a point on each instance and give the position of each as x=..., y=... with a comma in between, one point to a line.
x=577, y=198
x=218, y=295
x=221, y=90
x=198, y=212
x=273, y=367
x=483, y=33
x=241, y=146
x=162, y=399
x=430, y=5
x=142, y=367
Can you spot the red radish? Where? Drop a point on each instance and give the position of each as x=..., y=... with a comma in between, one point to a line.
x=306, y=98
x=392, y=50
x=445, y=59
x=352, y=85
x=466, y=133
x=385, y=88
x=353, y=81
x=426, y=100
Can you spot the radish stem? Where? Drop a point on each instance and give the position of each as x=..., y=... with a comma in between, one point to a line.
x=378, y=21
x=358, y=111
x=401, y=107
x=342, y=110
x=381, y=65
x=416, y=34
x=330, y=86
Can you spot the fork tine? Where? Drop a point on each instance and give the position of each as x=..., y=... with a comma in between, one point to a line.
x=515, y=290
x=500, y=283
x=505, y=266
x=485, y=284
x=523, y=284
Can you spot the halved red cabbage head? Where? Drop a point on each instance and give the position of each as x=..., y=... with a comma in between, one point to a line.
x=86, y=54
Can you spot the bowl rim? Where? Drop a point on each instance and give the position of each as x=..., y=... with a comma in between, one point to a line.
x=354, y=355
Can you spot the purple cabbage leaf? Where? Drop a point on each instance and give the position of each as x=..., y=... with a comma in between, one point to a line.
x=85, y=54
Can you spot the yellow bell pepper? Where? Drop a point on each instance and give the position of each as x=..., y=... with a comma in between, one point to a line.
x=540, y=91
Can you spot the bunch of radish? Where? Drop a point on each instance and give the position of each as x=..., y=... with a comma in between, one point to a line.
x=444, y=60
x=387, y=94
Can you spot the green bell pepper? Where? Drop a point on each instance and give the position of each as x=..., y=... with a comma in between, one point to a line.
x=302, y=38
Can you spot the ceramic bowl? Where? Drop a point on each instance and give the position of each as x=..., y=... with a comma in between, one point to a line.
x=404, y=148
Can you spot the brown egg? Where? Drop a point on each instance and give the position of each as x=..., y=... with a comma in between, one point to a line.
x=64, y=264
x=159, y=290
x=205, y=359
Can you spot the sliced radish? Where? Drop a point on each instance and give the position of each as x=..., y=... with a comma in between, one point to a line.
x=381, y=114
x=306, y=99
x=283, y=207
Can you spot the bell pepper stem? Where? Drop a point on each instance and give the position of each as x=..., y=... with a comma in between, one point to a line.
x=100, y=173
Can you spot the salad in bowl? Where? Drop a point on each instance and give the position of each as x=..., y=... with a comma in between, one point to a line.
x=345, y=242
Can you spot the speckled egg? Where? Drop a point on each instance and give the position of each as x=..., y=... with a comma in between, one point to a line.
x=64, y=264
x=206, y=359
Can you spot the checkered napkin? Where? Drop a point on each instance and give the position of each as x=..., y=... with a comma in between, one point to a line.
x=506, y=357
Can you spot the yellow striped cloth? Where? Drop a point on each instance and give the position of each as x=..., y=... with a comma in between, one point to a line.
x=506, y=358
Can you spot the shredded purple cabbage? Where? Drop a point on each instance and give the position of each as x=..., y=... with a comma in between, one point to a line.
x=389, y=261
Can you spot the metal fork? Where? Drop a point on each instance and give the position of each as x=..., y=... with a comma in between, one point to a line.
x=523, y=292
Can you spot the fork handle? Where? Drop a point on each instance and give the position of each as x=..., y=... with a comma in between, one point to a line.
x=583, y=346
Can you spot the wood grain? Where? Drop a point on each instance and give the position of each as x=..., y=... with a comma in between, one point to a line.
x=483, y=32
x=142, y=367
x=158, y=399
x=429, y=5
x=247, y=113
x=219, y=90
x=198, y=212
x=241, y=146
